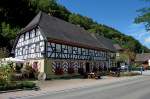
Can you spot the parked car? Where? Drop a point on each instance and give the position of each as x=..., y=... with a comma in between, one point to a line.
x=138, y=68
x=141, y=68
x=124, y=67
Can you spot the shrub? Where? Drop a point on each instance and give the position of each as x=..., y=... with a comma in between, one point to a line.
x=5, y=74
x=70, y=70
x=17, y=85
x=7, y=83
x=29, y=72
x=81, y=71
x=59, y=71
x=95, y=69
x=28, y=84
x=18, y=67
x=130, y=74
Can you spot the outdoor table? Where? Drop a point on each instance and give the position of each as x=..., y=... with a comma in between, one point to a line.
x=91, y=75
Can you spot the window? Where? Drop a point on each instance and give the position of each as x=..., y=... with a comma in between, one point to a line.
x=21, y=39
x=38, y=32
x=33, y=48
x=29, y=49
x=79, y=51
x=41, y=37
x=16, y=52
x=70, y=49
x=86, y=52
x=49, y=49
x=35, y=66
x=20, y=51
x=96, y=53
x=41, y=43
x=41, y=48
x=101, y=53
x=83, y=51
x=48, y=44
x=27, y=36
x=24, y=51
x=58, y=48
x=53, y=44
x=37, y=48
x=75, y=50
x=32, y=33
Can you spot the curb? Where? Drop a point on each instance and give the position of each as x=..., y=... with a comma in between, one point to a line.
x=11, y=90
x=15, y=90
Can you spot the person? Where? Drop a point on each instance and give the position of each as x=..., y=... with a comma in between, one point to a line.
x=141, y=69
x=118, y=71
x=35, y=66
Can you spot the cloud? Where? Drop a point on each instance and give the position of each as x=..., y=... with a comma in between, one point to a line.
x=138, y=29
x=138, y=32
x=147, y=40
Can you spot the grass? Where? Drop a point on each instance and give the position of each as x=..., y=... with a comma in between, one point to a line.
x=129, y=73
x=67, y=77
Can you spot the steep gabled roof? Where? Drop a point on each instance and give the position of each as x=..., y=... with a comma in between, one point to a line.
x=107, y=43
x=33, y=23
x=142, y=57
x=59, y=30
x=118, y=47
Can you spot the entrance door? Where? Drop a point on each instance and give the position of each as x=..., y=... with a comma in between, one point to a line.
x=87, y=67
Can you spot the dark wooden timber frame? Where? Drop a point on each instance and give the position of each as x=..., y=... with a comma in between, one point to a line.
x=61, y=51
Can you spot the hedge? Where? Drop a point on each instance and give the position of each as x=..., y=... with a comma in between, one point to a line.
x=17, y=85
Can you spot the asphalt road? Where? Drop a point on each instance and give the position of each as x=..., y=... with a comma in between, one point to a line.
x=138, y=88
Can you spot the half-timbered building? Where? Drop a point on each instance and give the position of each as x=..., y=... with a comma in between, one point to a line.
x=58, y=47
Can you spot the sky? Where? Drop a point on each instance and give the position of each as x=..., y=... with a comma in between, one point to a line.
x=118, y=14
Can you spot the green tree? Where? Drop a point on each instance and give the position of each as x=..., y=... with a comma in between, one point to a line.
x=83, y=21
x=16, y=14
x=4, y=53
x=97, y=29
x=8, y=31
x=50, y=7
x=144, y=16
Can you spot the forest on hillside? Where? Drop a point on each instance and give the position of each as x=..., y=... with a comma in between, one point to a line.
x=16, y=14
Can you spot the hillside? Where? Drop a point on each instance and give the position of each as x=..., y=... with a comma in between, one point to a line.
x=16, y=14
